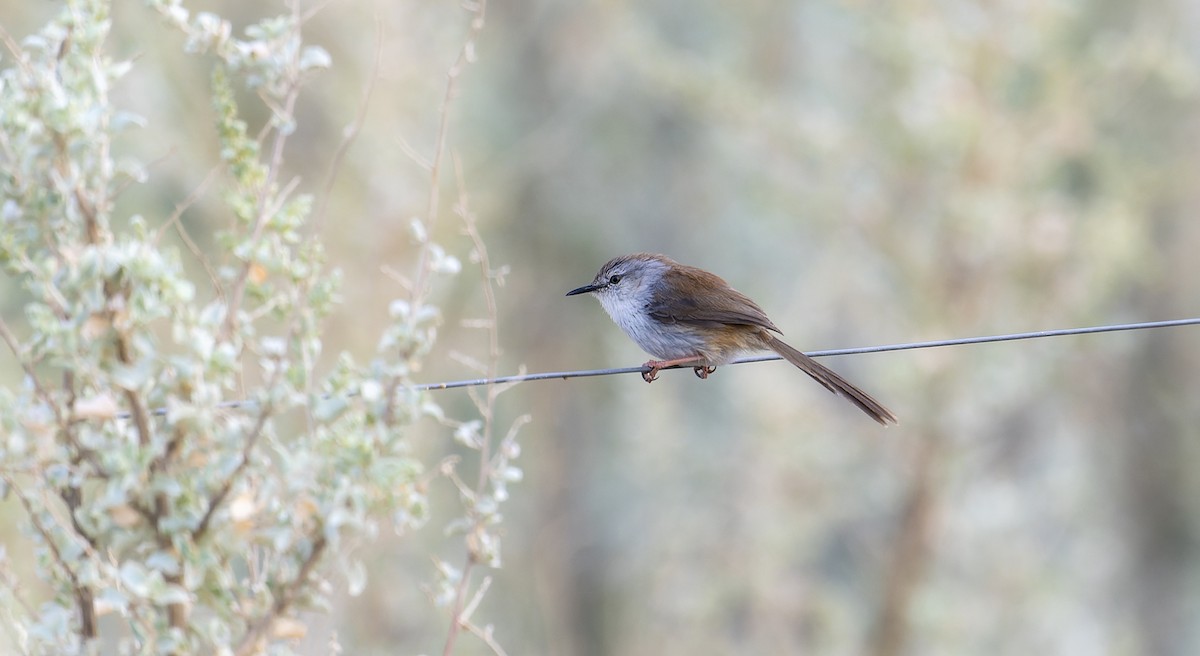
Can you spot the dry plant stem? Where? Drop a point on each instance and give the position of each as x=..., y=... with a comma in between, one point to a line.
x=71, y=496
x=464, y=58
x=16, y=590
x=350, y=134
x=460, y=611
x=460, y=596
x=112, y=295
x=219, y=496
x=15, y=346
x=910, y=556
x=420, y=287
x=458, y=619
x=82, y=593
x=312, y=11
x=284, y=600
x=9, y=581
x=193, y=248
x=483, y=634
x=177, y=616
x=263, y=212
x=486, y=408
x=15, y=49
x=90, y=203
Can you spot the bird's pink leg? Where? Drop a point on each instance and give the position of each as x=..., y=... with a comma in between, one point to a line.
x=658, y=365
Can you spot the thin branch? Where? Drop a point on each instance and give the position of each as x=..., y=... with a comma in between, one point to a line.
x=350, y=133
x=312, y=12
x=262, y=214
x=15, y=48
x=174, y=221
x=910, y=554
x=462, y=610
x=485, y=634
x=15, y=346
x=284, y=600
x=84, y=596
x=466, y=55
x=218, y=497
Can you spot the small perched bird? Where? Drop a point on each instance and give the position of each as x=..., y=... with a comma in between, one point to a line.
x=682, y=315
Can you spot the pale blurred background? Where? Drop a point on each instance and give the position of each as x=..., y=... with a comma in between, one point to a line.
x=870, y=173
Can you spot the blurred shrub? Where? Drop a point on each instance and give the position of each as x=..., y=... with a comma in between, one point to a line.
x=167, y=519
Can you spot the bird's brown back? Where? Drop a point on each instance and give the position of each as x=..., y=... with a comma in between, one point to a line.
x=709, y=301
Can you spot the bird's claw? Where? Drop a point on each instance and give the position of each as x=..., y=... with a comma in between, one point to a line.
x=656, y=366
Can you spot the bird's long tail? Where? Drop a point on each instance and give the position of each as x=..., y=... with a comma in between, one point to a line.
x=832, y=381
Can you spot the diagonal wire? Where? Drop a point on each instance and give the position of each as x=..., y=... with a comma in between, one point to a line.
x=585, y=373
x=820, y=354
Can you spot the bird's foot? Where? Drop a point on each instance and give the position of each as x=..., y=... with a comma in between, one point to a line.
x=658, y=365
x=652, y=375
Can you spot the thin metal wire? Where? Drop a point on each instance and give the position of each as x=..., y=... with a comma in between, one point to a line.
x=585, y=373
x=820, y=354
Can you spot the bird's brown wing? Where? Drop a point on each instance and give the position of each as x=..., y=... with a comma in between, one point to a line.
x=707, y=301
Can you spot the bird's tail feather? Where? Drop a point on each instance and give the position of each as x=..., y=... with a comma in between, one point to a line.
x=832, y=381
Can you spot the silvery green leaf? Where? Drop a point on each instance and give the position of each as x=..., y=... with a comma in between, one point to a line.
x=273, y=346
x=356, y=578
x=512, y=474
x=487, y=505
x=371, y=391
x=448, y=265
x=399, y=308
x=433, y=410
x=123, y=120
x=170, y=594
x=314, y=57
x=419, y=233
x=163, y=562
x=427, y=313
x=135, y=578
x=120, y=68
x=111, y=600
x=467, y=434
x=131, y=377
x=176, y=15
x=460, y=525
x=330, y=408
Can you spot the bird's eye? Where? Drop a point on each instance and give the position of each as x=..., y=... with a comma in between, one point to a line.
x=612, y=280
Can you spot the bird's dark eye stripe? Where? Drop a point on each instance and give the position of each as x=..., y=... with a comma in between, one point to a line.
x=612, y=280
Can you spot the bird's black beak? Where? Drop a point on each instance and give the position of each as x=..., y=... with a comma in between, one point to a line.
x=586, y=289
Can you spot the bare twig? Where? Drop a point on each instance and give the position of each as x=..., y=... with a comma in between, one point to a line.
x=461, y=608
x=284, y=600
x=14, y=345
x=910, y=556
x=350, y=133
x=174, y=221
x=466, y=55
x=15, y=48
x=262, y=212
x=218, y=497
x=83, y=594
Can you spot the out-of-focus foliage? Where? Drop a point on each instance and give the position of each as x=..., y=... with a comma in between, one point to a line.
x=162, y=518
x=869, y=174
